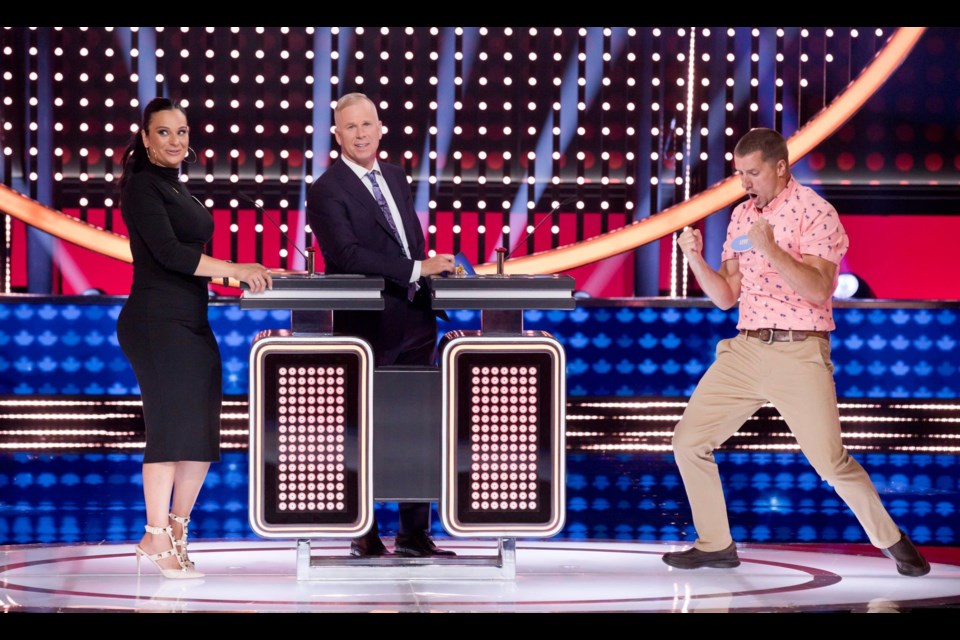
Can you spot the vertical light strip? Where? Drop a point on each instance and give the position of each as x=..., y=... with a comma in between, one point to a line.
x=654, y=130
x=730, y=82
x=318, y=93
x=6, y=152
x=234, y=125
x=7, y=233
x=555, y=107
x=179, y=80
x=671, y=147
x=630, y=134
x=259, y=77
x=688, y=155
x=56, y=190
x=283, y=156
x=209, y=103
x=852, y=36
x=357, y=60
x=455, y=131
x=410, y=132
x=205, y=158
x=507, y=171
x=56, y=108
x=604, y=135
x=827, y=32
x=691, y=78
x=110, y=104
x=581, y=107
x=778, y=81
x=527, y=154
x=801, y=80
x=82, y=136
x=433, y=169
x=754, y=79
x=481, y=137
x=30, y=140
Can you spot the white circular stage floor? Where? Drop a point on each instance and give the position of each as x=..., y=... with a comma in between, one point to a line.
x=552, y=576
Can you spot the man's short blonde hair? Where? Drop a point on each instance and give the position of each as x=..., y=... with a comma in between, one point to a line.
x=351, y=99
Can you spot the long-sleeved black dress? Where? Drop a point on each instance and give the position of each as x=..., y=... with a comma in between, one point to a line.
x=163, y=327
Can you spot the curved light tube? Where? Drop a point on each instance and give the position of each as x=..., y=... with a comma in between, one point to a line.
x=574, y=255
x=64, y=226
x=724, y=193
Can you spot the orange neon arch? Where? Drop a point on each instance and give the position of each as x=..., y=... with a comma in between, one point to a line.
x=574, y=255
x=727, y=191
x=63, y=226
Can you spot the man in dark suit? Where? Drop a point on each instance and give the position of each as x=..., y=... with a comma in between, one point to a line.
x=362, y=214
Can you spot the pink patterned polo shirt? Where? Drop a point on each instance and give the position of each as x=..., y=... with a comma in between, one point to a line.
x=803, y=223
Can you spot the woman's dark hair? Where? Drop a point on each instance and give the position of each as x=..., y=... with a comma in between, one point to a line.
x=135, y=155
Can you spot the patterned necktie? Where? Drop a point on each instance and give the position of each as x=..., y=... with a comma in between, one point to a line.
x=385, y=209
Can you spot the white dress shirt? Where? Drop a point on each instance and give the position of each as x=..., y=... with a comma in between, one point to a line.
x=391, y=203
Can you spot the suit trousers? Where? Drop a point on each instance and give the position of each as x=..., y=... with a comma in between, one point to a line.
x=405, y=335
x=797, y=379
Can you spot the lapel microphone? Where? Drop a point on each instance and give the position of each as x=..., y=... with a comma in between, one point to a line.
x=503, y=253
x=307, y=259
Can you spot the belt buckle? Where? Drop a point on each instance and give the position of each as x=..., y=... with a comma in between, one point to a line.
x=769, y=339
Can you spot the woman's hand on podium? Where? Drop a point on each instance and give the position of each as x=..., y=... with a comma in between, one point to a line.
x=255, y=275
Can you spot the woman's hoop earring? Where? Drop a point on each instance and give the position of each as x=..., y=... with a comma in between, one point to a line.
x=187, y=159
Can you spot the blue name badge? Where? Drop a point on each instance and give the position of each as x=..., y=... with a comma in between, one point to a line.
x=741, y=243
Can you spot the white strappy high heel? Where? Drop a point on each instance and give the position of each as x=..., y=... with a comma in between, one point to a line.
x=181, y=573
x=181, y=542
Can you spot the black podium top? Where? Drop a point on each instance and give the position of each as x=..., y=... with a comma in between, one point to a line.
x=503, y=292
x=300, y=292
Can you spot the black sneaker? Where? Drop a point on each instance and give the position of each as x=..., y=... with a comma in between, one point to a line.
x=908, y=558
x=693, y=558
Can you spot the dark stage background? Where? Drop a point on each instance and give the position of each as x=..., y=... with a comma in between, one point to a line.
x=494, y=126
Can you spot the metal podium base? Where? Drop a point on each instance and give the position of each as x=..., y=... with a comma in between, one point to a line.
x=502, y=566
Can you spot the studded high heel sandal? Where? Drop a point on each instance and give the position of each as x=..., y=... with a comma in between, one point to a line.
x=180, y=573
x=181, y=542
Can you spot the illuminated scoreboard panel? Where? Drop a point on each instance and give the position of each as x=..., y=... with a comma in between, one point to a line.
x=310, y=437
x=503, y=425
x=311, y=442
x=503, y=436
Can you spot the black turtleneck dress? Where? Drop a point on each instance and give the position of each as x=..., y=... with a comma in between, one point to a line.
x=163, y=327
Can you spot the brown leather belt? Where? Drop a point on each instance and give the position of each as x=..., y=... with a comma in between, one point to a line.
x=769, y=336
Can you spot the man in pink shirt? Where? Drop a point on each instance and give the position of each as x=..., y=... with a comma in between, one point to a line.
x=780, y=261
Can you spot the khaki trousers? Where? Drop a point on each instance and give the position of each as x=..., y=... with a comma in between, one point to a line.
x=797, y=378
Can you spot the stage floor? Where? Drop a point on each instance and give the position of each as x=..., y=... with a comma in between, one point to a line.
x=552, y=576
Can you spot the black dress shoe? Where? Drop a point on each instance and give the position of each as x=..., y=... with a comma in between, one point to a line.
x=908, y=558
x=418, y=545
x=368, y=546
x=693, y=558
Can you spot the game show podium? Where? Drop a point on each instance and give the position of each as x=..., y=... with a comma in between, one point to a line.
x=311, y=414
x=483, y=435
x=503, y=392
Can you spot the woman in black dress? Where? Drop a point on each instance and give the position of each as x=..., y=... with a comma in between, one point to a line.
x=163, y=331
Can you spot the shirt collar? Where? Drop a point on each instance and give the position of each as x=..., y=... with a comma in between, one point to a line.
x=782, y=197
x=360, y=171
